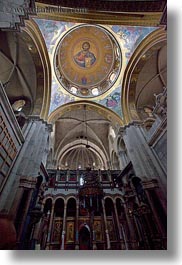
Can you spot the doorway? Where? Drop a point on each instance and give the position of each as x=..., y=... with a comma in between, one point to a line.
x=84, y=238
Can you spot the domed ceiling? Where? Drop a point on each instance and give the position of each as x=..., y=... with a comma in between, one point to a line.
x=87, y=61
x=96, y=76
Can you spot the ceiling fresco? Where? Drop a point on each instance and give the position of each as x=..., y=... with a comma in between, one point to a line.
x=127, y=37
x=87, y=61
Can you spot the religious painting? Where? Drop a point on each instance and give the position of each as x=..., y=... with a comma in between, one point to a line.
x=97, y=227
x=85, y=58
x=108, y=58
x=131, y=37
x=57, y=230
x=87, y=71
x=88, y=49
x=110, y=227
x=113, y=101
x=70, y=232
x=91, y=59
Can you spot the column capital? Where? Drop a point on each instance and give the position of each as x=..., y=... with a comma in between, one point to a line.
x=37, y=118
x=27, y=182
x=122, y=129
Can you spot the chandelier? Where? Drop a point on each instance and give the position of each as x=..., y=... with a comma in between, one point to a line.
x=90, y=192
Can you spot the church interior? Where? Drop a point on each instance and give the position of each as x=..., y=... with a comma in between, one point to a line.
x=83, y=125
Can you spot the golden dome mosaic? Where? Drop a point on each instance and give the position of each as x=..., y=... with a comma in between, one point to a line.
x=87, y=61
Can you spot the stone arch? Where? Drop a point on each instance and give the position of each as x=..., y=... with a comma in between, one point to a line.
x=111, y=116
x=153, y=41
x=48, y=205
x=109, y=205
x=94, y=140
x=58, y=196
x=95, y=149
x=122, y=152
x=36, y=43
x=119, y=197
x=115, y=161
x=46, y=198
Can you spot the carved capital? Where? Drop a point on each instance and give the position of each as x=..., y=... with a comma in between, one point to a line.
x=27, y=182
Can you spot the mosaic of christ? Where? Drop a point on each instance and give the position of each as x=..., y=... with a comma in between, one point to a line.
x=85, y=58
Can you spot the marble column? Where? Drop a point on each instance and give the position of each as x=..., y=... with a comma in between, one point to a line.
x=20, y=230
x=130, y=224
x=118, y=226
x=76, y=225
x=105, y=225
x=51, y=217
x=16, y=202
x=143, y=160
x=64, y=228
x=13, y=181
x=100, y=176
x=123, y=158
x=155, y=214
x=36, y=234
x=31, y=154
x=26, y=184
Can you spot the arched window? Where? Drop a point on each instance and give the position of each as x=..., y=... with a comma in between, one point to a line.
x=48, y=206
x=71, y=207
x=59, y=208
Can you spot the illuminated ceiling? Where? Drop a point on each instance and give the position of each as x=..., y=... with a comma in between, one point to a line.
x=87, y=61
x=123, y=39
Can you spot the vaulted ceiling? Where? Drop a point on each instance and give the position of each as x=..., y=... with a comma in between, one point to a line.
x=81, y=139
x=80, y=136
x=18, y=73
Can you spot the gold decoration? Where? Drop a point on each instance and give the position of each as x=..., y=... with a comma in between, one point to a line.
x=70, y=232
x=85, y=58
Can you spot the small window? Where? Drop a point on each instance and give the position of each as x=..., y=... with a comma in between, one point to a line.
x=95, y=92
x=18, y=105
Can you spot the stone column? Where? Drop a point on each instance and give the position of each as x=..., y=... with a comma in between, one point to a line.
x=16, y=202
x=31, y=154
x=118, y=225
x=131, y=228
x=64, y=227
x=158, y=222
x=123, y=158
x=24, y=215
x=144, y=162
x=105, y=224
x=13, y=181
x=158, y=171
x=134, y=151
x=76, y=225
x=50, y=227
x=109, y=175
x=37, y=149
x=42, y=153
x=36, y=234
x=100, y=176
x=124, y=236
